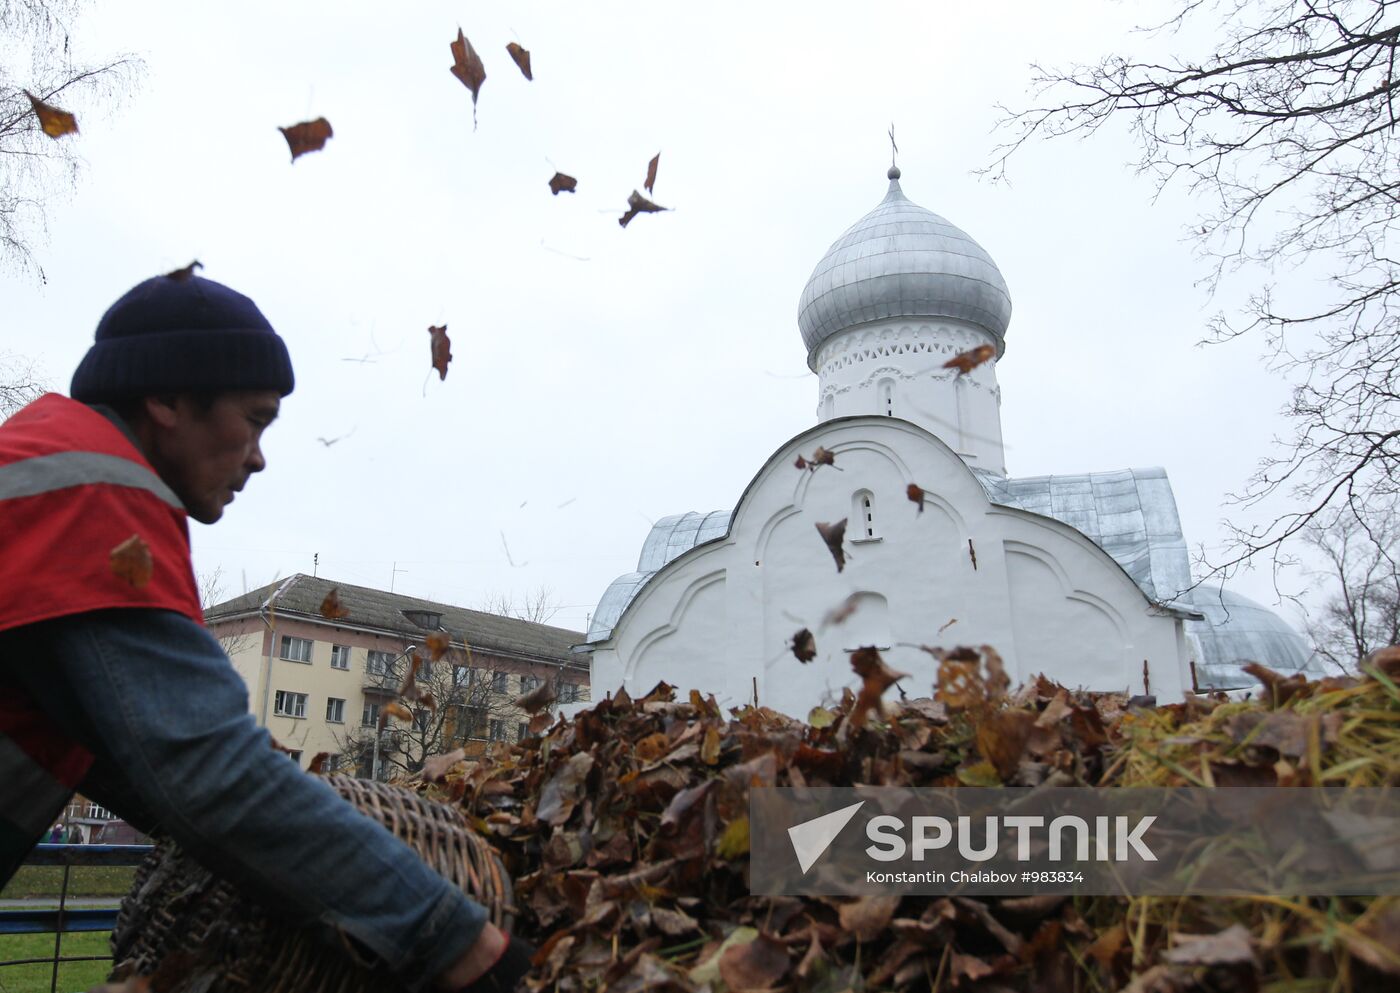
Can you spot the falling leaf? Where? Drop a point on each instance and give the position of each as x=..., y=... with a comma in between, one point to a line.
x=308, y=136
x=842, y=611
x=801, y=463
x=437, y=643
x=804, y=645
x=397, y=711
x=56, y=123
x=408, y=687
x=972, y=553
x=331, y=607
x=947, y=624
x=915, y=492
x=435, y=767
x=318, y=764
x=537, y=699
x=185, y=274
x=823, y=457
x=833, y=535
x=131, y=561
x=441, y=349
x=965, y=362
x=521, y=57
x=561, y=183
x=997, y=682
x=650, y=184
x=876, y=677
x=467, y=66
x=638, y=204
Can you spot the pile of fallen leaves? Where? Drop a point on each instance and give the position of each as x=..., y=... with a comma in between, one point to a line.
x=626, y=828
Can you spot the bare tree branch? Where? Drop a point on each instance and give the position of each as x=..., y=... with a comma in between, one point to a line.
x=1286, y=132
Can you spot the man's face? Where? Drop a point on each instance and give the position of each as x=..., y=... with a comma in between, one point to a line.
x=206, y=456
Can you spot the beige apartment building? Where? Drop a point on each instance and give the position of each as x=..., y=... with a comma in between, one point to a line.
x=321, y=675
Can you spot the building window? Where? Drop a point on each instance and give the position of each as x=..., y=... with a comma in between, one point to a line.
x=498, y=730
x=461, y=675
x=887, y=397
x=340, y=656
x=469, y=722
x=369, y=717
x=530, y=683
x=568, y=692
x=500, y=682
x=420, y=720
x=288, y=704
x=295, y=649
x=295, y=757
x=521, y=730
x=863, y=514
x=377, y=663
x=331, y=763
x=335, y=710
x=425, y=669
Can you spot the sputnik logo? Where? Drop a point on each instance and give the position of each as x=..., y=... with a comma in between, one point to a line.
x=811, y=839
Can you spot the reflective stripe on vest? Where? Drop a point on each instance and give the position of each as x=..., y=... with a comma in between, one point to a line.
x=46, y=473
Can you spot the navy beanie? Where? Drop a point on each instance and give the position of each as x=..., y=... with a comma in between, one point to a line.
x=181, y=333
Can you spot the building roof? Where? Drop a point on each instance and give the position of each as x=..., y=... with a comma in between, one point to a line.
x=668, y=538
x=300, y=596
x=1130, y=514
x=901, y=260
x=1237, y=631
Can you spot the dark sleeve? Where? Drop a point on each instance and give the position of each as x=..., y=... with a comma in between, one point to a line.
x=156, y=698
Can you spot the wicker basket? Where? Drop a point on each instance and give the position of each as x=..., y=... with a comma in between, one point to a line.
x=197, y=933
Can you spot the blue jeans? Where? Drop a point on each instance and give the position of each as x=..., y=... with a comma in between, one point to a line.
x=153, y=696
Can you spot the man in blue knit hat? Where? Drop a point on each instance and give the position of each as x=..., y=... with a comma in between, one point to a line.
x=110, y=684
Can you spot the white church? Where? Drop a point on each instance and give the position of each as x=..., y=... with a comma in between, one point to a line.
x=1076, y=576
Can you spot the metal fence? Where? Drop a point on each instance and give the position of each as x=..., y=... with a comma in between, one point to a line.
x=59, y=920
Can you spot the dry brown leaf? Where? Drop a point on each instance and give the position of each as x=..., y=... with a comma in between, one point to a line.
x=804, y=645
x=1385, y=661
x=916, y=493
x=435, y=767
x=965, y=362
x=318, y=764
x=131, y=562
x=997, y=681
x=441, y=350
x=1233, y=946
x=437, y=643
x=866, y=917
x=308, y=136
x=184, y=275
x=754, y=965
x=538, y=699
x=876, y=677
x=650, y=184
x=638, y=204
x=468, y=67
x=395, y=710
x=1002, y=737
x=521, y=56
x=561, y=183
x=801, y=463
x=1278, y=689
x=842, y=611
x=833, y=535
x=55, y=123
x=331, y=607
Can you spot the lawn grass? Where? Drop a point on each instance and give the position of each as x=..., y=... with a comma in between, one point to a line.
x=73, y=977
x=83, y=880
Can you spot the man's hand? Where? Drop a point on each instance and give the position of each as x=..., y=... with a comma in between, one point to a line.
x=496, y=962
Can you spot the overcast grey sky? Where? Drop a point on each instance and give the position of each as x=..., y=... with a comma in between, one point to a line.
x=604, y=378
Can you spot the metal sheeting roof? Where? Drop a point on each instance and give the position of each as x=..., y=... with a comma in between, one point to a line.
x=1238, y=630
x=668, y=538
x=901, y=260
x=1130, y=514
x=301, y=596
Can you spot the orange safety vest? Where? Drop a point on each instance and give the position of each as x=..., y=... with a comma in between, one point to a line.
x=72, y=488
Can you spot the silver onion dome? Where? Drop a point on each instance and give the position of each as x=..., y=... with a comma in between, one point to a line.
x=901, y=260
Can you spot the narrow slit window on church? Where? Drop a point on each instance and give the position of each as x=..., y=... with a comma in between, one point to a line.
x=863, y=516
x=887, y=398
